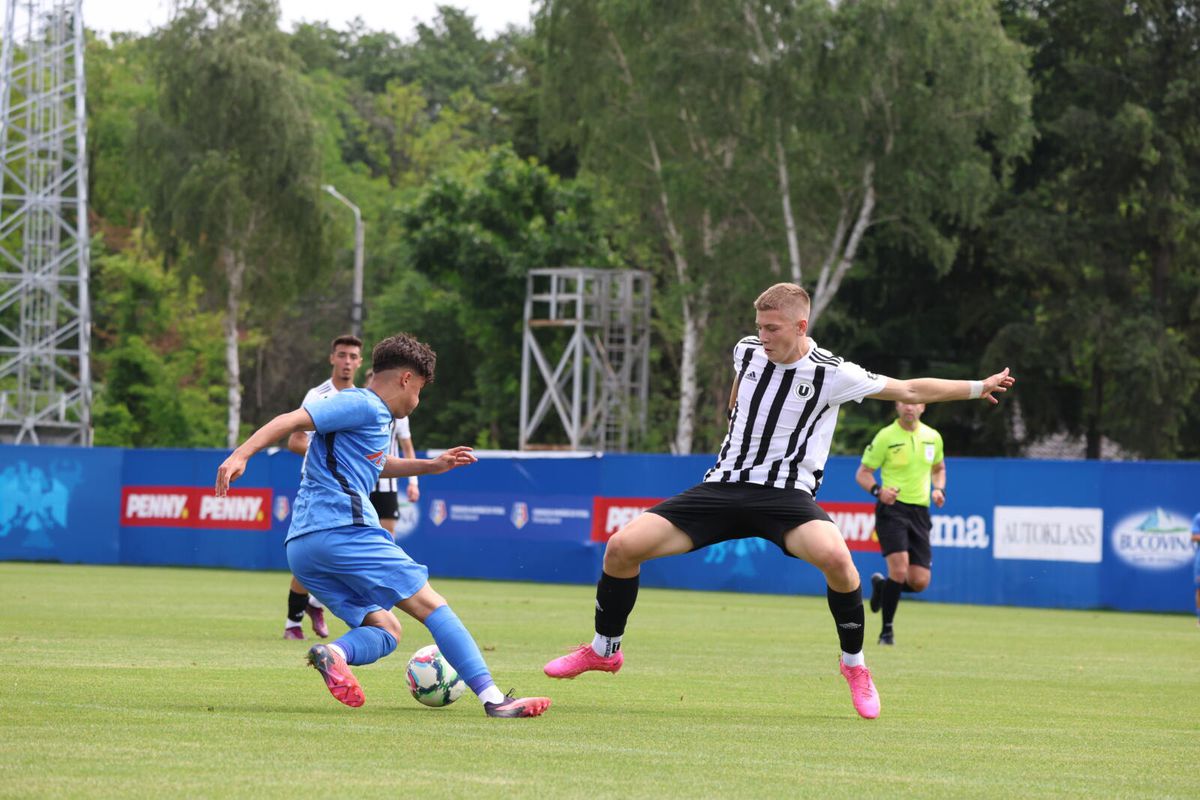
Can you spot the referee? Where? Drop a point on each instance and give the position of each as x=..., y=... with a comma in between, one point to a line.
x=908, y=454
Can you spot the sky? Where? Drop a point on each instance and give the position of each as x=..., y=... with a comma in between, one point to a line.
x=397, y=16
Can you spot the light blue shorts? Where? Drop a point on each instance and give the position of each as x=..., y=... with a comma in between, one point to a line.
x=355, y=570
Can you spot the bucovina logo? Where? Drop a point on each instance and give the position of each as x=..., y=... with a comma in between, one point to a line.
x=1155, y=539
x=437, y=512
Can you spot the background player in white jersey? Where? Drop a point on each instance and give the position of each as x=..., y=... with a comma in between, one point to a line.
x=345, y=357
x=385, y=496
x=783, y=410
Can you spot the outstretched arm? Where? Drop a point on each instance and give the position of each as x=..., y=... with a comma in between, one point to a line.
x=283, y=425
x=937, y=390
x=405, y=467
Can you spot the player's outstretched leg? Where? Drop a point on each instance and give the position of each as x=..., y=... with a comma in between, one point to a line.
x=331, y=663
x=847, y=609
x=615, y=598
x=458, y=647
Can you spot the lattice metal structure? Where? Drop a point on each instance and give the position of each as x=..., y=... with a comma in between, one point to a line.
x=45, y=322
x=586, y=354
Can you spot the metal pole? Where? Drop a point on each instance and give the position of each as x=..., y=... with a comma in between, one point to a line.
x=356, y=306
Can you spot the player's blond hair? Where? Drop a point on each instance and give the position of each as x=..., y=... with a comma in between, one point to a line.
x=786, y=297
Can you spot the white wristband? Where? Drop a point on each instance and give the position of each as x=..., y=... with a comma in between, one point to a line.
x=976, y=390
x=412, y=481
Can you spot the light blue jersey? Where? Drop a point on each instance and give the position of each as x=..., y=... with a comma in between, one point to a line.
x=345, y=456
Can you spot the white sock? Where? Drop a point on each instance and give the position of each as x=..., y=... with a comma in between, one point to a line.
x=338, y=650
x=288, y=622
x=606, y=646
x=314, y=602
x=854, y=659
x=491, y=695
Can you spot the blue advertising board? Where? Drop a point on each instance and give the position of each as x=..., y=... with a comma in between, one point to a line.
x=1013, y=532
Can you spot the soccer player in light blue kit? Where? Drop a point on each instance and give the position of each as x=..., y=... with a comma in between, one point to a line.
x=1196, y=561
x=335, y=545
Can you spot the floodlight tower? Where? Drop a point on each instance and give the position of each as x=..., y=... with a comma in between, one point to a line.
x=45, y=321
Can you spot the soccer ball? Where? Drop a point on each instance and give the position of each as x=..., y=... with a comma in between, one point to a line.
x=432, y=680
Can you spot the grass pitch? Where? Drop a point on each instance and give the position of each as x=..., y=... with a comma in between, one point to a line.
x=140, y=682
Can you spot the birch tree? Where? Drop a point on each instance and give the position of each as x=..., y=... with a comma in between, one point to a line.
x=232, y=162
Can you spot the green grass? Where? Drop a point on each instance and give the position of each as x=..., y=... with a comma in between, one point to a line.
x=140, y=682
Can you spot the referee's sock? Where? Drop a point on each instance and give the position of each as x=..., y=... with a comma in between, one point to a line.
x=890, y=599
x=848, y=613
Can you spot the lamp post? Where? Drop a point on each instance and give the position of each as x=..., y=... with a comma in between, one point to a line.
x=356, y=307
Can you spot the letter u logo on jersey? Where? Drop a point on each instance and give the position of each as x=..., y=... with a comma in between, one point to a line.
x=804, y=390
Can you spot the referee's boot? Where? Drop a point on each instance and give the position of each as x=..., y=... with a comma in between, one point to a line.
x=886, y=636
x=877, y=581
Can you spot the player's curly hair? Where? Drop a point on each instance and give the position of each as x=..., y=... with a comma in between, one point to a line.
x=403, y=351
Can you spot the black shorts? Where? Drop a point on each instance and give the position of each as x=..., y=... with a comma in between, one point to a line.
x=718, y=512
x=386, y=504
x=902, y=527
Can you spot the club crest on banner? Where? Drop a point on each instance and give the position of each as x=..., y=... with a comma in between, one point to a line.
x=437, y=512
x=519, y=515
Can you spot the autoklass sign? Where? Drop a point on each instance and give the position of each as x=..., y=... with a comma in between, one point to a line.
x=1047, y=533
x=196, y=507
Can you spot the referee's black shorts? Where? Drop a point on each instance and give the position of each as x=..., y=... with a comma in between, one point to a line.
x=718, y=512
x=903, y=527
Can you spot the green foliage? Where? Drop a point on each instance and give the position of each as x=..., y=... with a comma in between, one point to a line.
x=158, y=357
x=1099, y=242
x=472, y=237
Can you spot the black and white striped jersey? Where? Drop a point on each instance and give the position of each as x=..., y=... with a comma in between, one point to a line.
x=783, y=418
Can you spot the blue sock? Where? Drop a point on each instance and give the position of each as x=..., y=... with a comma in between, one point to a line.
x=456, y=644
x=366, y=645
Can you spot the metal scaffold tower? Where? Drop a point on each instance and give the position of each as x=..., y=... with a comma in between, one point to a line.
x=586, y=346
x=45, y=323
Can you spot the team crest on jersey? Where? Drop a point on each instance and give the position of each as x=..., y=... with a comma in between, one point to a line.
x=437, y=512
x=519, y=515
x=804, y=390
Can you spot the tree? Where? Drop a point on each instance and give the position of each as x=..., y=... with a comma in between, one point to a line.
x=1099, y=241
x=472, y=236
x=158, y=357
x=232, y=160
x=759, y=135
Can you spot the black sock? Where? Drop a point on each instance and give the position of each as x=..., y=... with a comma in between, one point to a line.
x=614, y=603
x=296, y=604
x=889, y=599
x=847, y=608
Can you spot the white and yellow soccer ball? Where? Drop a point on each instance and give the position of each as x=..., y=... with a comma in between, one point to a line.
x=431, y=679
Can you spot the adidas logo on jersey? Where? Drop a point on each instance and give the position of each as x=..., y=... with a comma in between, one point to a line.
x=751, y=375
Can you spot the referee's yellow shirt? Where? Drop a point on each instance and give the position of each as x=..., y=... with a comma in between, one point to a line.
x=905, y=458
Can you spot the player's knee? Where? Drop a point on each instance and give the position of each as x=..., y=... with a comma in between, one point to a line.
x=621, y=552
x=918, y=583
x=899, y=574
x=389, y=623
x=837, y=565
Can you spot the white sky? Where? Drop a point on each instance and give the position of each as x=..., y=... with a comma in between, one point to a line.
x=397, y=16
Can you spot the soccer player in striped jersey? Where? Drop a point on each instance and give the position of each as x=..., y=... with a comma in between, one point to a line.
x=335, y=545
x=782, y=412
x=345, y=357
